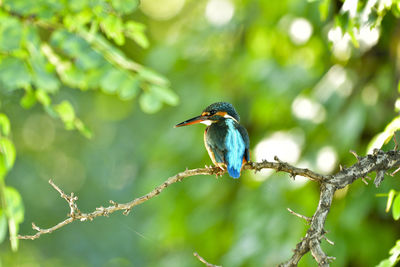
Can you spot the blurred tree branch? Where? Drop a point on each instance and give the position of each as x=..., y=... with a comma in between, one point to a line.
x=379, y=161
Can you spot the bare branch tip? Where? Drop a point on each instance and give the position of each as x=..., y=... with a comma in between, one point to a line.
x=201, y=259
x=355, y=155
x=307, y=219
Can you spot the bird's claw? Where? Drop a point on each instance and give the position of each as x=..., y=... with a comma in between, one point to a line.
x=220, y=172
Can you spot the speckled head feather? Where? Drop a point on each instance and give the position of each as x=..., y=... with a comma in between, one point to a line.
x=223, y=106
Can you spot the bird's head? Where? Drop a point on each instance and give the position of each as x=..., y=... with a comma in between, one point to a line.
x=213, y=113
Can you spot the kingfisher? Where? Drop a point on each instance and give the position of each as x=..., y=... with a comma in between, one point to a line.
x=227, y=142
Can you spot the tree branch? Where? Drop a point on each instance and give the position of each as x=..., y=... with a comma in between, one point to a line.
x=379, y=161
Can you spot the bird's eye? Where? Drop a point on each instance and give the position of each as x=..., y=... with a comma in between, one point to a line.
x=212, y=112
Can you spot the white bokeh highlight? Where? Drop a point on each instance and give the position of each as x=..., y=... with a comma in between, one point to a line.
x=307, y=109
x=219, y=12
x=300, y=31
x=286, y=145
x=327, y=159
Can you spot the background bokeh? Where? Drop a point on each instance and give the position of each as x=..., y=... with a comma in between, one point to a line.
x=311, y=80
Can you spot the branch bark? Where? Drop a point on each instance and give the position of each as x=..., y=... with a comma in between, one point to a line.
x=379, y=161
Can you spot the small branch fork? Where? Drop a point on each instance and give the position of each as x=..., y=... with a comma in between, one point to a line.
x=379, y=161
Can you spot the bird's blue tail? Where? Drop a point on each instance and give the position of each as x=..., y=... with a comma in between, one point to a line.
x=234, y=173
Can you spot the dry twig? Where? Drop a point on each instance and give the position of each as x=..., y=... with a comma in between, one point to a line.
x=204, y=261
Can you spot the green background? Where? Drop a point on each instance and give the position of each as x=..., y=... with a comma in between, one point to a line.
x=251, y=61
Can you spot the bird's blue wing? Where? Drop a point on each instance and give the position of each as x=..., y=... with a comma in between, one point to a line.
x=235, y=149
x=246, y=140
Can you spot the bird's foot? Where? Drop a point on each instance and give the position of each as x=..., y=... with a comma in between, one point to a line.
x=220, y=172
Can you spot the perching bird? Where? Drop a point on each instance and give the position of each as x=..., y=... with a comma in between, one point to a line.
x=226, y=141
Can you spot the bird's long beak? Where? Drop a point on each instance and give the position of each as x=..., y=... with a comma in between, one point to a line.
x=191, y=121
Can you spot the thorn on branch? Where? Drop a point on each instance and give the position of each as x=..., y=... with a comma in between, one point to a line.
x=200, y=258
x=277, y=159
x=126, y=212
x=115, y=204
x=329, y=241
x=355, y=155
x=330, y=259
x=35, y=227
x=307, y=219
x=364, y=181
x=396, y=171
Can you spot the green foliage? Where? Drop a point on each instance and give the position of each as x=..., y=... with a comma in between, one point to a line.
x=77, y=55
x=396, y=207
x=384, y=137
x=4, y=125
x=7, y=156
x=14, y=211
x=393, y=259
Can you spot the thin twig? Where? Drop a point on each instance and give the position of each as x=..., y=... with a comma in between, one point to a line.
x=308, y=219
x=204, y=261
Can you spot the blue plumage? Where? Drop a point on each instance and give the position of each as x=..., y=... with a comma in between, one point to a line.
x=235, y=147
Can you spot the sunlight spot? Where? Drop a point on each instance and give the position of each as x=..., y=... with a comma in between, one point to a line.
x=351, y=7
x=368, y=37
x=341, y=43
x=219, y=12
x=161, y=9
x=336, y=80
x=369, y=95
x=285, y=145
x=397, y=105
x=306, y=109
x=300, y=31
x=327, y=159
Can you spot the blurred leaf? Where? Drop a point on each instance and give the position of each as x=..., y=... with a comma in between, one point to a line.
x=113, y=27
x=394, y=258
x=77, y=5
x=29, y=98
x=112, y=80
x=43, y=97
x=135, y=31
x=324, y=9
x=384, y=137
x=10, y=33
x=385, y=263
x=14, y=213
x=81, y=127
x=165, y=94
x=14, y=73
x=4, y=125
x=389, y=202
x=396, y=207
x=66, y=113
x=3, y=225
x=129, y=89
x=153, y=77
x=124, y=6
x=7, y=155
x=78, y=20
x=149, y=102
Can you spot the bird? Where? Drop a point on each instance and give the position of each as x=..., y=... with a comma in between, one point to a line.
x=227, y=142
